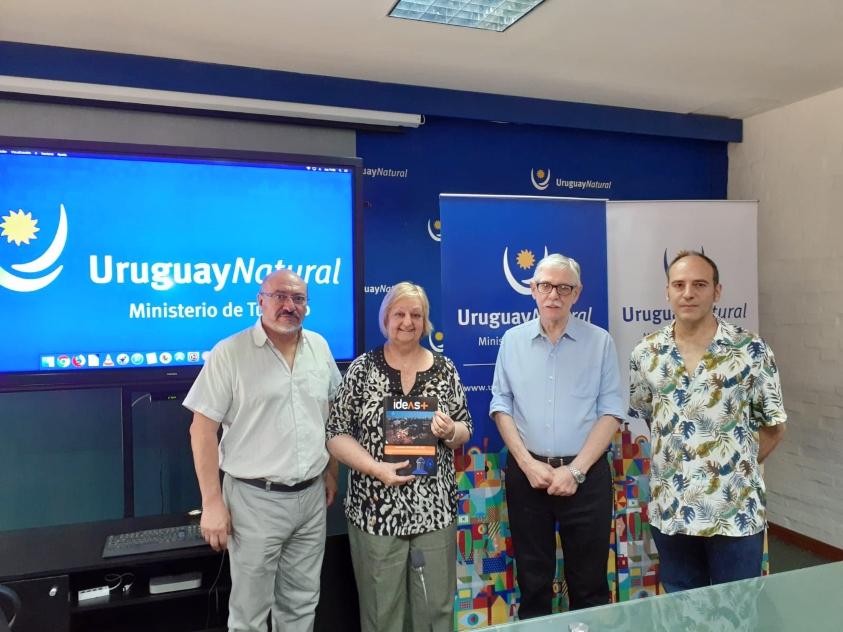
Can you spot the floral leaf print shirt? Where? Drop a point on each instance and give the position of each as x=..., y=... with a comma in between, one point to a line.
x=705, y=479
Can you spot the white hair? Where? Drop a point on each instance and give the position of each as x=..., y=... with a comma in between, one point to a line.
x=560, y=262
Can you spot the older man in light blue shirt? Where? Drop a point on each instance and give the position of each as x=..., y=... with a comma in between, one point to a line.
x=556, y=400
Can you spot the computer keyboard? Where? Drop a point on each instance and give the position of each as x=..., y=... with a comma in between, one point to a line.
x=153, y=540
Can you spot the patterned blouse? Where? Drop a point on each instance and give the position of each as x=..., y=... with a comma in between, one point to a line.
x=427, y=503
x=705, y=478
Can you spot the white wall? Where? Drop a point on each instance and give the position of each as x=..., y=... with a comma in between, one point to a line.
x=791, y=160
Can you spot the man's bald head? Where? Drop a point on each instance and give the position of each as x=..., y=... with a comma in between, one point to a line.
x=279, y=276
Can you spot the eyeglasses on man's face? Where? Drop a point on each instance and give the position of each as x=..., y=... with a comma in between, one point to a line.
x=282, y=297
x=562, y=289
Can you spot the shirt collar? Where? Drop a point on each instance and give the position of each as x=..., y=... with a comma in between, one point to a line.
x=572, y=328
x=259, y=336
x=723, y=337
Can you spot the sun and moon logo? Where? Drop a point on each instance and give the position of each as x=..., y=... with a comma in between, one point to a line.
x=19, y=227
x=434, y=229
x=525, y=260
x=434, y=339
x=540, y=178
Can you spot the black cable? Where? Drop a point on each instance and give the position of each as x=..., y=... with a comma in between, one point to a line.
x=161, y=478
x=14, y=604
x=119, y=579
x=213, y=590
x=144, y=396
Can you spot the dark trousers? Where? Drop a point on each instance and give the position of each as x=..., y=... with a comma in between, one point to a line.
x=692, y=561
x=585, y=521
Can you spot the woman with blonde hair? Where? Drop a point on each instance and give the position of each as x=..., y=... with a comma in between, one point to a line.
x=394, y=519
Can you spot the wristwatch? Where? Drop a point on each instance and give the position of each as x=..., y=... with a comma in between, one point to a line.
x=578, y=476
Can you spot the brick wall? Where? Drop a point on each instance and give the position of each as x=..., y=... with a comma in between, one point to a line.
x=791, y=160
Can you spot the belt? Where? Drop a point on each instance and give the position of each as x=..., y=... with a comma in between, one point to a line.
x=553, y=461
x=277, y=487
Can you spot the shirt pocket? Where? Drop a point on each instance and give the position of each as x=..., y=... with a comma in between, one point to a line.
x=319, y=384
x=586, y=385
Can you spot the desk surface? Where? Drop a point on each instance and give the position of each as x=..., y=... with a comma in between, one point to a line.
x=803, y=600
x=78, y=547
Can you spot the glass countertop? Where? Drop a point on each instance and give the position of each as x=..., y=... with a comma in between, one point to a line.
x=805, y=600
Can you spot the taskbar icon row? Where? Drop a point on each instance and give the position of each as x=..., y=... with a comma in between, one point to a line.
x=122, y=359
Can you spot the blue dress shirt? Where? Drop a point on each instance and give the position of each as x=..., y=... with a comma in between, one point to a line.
x=556, y=392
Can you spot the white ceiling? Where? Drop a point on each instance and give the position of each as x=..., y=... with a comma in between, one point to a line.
x=723, y=57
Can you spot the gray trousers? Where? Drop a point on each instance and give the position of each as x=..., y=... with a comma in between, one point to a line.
x=276, y=548
x=390, y=591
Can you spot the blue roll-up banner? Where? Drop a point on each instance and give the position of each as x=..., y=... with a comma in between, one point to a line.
x=490, y=248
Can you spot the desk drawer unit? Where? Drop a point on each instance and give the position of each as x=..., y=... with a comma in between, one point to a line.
x=44, y=604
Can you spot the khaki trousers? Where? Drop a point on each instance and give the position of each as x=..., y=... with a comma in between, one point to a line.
x=390, y=591
x=276, y=549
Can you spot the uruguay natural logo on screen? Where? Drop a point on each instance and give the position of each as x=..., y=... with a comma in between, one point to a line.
x=540, y=178
x=20, y=227
x=525, y=260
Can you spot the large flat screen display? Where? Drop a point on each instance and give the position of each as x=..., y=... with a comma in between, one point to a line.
x=125, y=263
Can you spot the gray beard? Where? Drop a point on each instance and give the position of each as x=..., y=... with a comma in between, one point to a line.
x=287, y=330
x=280, y=329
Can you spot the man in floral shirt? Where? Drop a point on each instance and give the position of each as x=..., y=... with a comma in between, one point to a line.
x=710, y=393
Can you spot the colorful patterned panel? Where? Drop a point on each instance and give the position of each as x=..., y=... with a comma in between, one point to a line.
x=637, y=560
x=486, y=592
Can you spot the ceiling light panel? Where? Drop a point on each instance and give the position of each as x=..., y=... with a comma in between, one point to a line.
x=491, y=15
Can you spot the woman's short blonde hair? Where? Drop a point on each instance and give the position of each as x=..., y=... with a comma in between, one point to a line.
x=405, y=289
